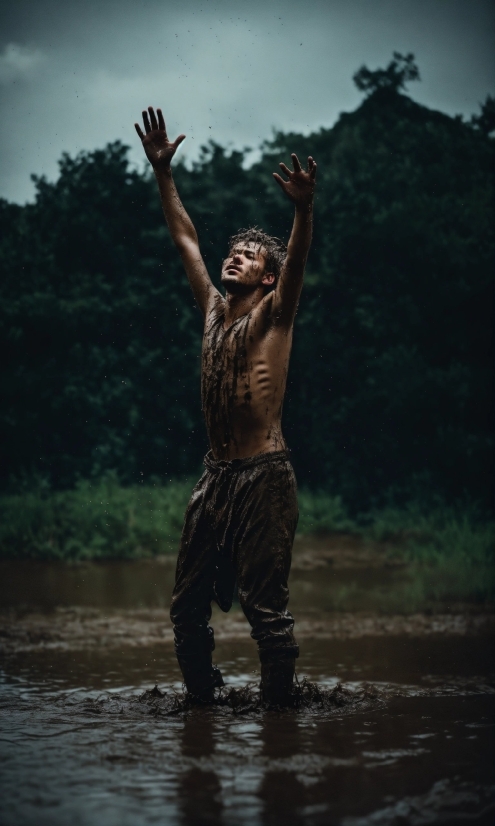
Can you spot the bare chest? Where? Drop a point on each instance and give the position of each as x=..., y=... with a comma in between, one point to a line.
x=240, y=366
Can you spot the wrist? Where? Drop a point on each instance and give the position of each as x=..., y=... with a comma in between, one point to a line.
x=162, y=171
x=305, y=207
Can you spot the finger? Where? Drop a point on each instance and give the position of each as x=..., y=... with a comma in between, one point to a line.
x=286, y=169
x=146, y=121
x=154, y=124
x=280, y=181
x=139, y=131
x=161, y=122
x=178, y=141
x=295, y=162
x=312, y=167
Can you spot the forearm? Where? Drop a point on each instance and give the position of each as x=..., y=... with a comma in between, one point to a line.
x=290, y=282
x=301, y=235
x=300, y=189
x=185, y=239
x=178, y=221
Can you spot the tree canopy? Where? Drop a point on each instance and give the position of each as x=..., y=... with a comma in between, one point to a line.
x=401, y=70
x=390, y=386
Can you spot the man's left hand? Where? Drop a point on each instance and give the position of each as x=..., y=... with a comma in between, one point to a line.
x=301, y=184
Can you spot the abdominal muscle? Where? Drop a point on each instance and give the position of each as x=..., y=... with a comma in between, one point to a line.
x=256, y=421
x=243, y=385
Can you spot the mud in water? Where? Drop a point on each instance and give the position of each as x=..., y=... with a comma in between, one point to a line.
x=307, y=696
x=393, y=723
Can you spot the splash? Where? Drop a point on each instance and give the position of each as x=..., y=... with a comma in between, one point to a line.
x=308, y=697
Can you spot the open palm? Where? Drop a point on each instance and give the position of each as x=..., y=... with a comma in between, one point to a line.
x=301, y=184
x=159, y=150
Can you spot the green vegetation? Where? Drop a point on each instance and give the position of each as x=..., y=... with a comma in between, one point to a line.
x=450, y=552
x=320, y=513
x=447, y=553
x=390, y=380
x=96, y=520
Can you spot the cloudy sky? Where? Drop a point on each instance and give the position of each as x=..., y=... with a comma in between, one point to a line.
x=76, y=74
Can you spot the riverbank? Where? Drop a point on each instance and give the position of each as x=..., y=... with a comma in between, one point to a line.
x=449, y=552
x=341, y=587
x=72, y=629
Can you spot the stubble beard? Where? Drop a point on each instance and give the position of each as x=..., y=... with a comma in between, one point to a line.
x=233, y=286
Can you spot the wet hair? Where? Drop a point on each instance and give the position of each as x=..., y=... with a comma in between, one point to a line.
x=274, y=249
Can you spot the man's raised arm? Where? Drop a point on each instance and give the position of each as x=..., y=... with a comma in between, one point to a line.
x=160, y=151
x=300, y=190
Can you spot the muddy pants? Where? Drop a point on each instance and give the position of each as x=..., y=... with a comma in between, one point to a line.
x=239, y=527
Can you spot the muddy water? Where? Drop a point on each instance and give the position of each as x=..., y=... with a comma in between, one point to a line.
x=401, y=732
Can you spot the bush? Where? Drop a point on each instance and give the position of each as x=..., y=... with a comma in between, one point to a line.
x=96, y=520
x=450, y=551
x=321, y=513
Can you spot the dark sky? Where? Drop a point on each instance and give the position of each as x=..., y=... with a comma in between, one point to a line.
x=76, y=74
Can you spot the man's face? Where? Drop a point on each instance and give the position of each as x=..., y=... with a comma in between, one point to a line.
x=244, y=268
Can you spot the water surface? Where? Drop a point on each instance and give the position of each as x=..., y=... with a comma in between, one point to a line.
x=77, y=747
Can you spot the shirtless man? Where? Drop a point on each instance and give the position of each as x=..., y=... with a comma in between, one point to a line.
x=240, y=522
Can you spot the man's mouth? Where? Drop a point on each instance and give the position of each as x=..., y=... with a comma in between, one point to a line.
x=232, y=268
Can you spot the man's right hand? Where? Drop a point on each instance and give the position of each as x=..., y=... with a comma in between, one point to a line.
x=159, y=150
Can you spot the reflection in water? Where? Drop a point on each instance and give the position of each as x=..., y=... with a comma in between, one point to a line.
x=284, y=798
x=199, y=798
x=106, y=759
x=199, y=795
x=281, y=791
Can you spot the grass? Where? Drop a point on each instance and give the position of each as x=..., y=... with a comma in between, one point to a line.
x=449, y=552
x=103, y=520
x=96, y=520
x=320, y=513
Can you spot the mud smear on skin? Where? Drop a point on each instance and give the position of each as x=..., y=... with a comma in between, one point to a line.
x=226, y=391
x=224, y=365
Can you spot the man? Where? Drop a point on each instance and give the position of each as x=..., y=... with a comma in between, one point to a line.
x=240, y=522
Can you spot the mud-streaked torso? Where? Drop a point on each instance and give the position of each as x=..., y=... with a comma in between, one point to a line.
x=243, y=379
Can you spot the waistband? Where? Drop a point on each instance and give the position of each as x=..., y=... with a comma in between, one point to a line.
x=236, y=465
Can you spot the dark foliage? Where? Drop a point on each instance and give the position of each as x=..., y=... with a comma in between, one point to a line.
x=390, y=388
x=485, y=121
x=401, y=70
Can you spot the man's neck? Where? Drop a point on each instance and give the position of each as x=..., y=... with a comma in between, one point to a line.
x=239, y=304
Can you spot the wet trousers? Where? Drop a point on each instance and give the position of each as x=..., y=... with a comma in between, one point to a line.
x=239, y=527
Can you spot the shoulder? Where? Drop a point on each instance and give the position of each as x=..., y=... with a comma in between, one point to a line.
x=266, y=320
x=272, y=315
